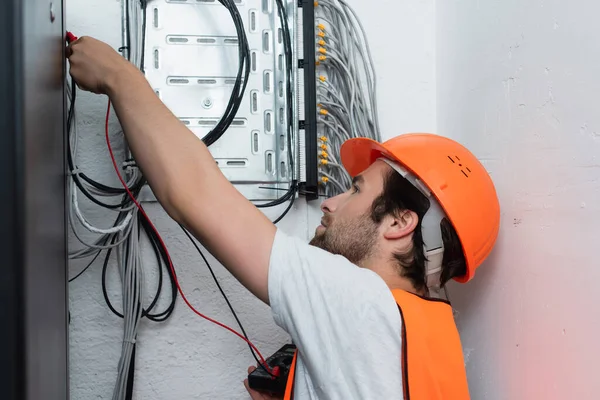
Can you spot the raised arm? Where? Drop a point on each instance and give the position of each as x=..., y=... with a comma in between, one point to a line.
x=178, y=166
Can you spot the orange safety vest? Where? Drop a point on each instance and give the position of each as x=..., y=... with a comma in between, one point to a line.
x=432, y=360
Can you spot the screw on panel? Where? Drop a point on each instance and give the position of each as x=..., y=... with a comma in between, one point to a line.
x=207, y=103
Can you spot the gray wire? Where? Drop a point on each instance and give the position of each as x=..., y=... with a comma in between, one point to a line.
x=349, y=93
x=131, y=273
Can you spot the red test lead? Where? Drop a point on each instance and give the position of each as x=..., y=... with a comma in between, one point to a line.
x=70, y=37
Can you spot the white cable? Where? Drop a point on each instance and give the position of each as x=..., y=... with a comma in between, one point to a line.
x=124, y=225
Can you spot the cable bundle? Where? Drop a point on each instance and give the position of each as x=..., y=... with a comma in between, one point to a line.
x=346, y=89
x=123, y=237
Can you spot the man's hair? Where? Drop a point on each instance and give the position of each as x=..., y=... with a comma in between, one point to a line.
x=398, y=196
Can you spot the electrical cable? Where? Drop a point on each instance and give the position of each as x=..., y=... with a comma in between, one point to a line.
x=241, y=81
x=291, y=193
x=346, y=88
x=86, y=267
x=242, y=76
x=212, y=273
x=143, y=212
x=160, y=256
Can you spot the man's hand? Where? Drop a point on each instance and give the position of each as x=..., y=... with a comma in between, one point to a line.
x=95, y=65
x=258, y=395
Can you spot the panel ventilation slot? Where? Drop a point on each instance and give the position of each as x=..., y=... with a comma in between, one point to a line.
x=177, y=40
x=178, y=81
x=185, y=80
x=270, y=162
x=239, y=122
x=156, y=55
x=232, y=162
x=267, y=41
x=206, y=40
x=155, y=17
x=253, y=22
x=236, y=163
x=268, y=121
x=254, y=101
x=253, y=61
x=208, y=122
x=202, y=40
x=255, y=139
x=267, y=81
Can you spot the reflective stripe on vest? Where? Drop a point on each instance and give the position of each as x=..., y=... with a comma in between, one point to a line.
x=432, y=359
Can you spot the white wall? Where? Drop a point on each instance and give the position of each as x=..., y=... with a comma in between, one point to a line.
x=189, y=358
x=518, y=84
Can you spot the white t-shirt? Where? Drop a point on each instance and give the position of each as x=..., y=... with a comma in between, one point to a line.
x=343, y=319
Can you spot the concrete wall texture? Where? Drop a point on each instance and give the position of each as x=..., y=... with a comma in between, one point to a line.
x=517, y=83
x=187, y=357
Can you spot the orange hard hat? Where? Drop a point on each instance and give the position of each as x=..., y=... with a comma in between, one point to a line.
x=452, y=173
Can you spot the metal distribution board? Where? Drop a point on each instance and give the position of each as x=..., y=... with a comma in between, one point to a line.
x=191, y=61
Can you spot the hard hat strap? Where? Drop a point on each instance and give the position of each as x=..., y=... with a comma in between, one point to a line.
x=433, y=245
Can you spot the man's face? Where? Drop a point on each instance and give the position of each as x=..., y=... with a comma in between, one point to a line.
x=347, y=228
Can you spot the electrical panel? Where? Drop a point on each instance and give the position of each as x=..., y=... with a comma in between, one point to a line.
x=189, y=54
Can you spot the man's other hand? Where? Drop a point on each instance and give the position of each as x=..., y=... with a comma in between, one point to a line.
x=258, y=395
x=95, y=65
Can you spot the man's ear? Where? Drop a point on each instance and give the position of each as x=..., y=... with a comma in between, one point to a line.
x=398, y=227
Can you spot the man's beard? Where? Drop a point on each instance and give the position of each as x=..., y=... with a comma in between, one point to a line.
x=354, y=239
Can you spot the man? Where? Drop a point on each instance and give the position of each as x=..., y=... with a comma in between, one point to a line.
x=421, y=211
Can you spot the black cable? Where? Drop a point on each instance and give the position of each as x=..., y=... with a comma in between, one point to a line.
x=88, y=265
x=289, y=207
x=241, y=81
x=76, y=175
x=130, y=376
x=243, y=73
x=162, y=259
x=224, y=296
x=287, y=45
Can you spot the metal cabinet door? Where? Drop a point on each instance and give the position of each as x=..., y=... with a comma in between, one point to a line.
x=33, y=263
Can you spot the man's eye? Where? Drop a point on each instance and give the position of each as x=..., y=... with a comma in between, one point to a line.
x=355, y=189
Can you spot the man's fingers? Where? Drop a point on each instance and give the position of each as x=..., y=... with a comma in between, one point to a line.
x=250, y=369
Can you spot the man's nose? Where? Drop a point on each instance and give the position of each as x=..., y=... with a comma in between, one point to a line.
x=330, y=205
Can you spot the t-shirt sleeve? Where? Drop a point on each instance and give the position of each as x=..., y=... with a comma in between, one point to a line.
x=330, y=306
